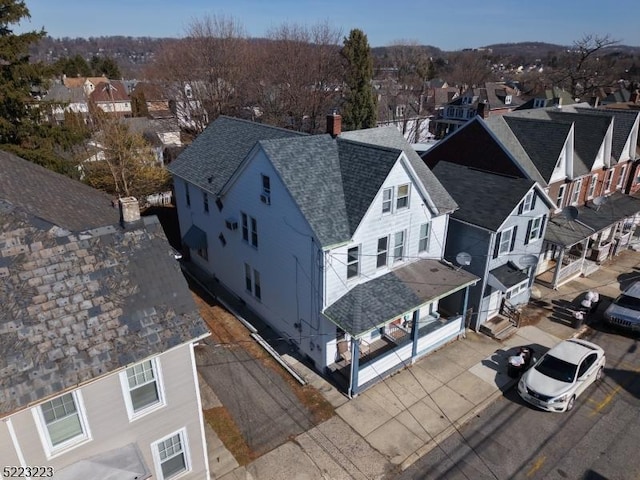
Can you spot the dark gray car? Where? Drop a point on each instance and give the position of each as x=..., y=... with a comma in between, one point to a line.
x=624, y=311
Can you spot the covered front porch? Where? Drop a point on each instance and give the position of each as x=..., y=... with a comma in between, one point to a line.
x=387, y=323
x=577, y=246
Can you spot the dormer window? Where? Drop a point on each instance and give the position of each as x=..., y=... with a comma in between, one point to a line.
x=402, y=200
x=265, y=196
x=507, y=100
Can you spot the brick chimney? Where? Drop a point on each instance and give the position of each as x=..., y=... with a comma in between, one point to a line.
x=129, y=210
x=334, y=124
x=483, y=109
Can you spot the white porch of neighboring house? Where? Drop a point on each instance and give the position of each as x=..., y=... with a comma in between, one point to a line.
x=389, y=322
x=577, y=243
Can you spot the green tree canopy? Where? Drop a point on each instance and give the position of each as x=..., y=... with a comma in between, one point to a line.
x=359, y=109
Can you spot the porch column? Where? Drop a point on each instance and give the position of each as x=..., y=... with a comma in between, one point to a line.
x=414, y=334
x=465, y=304
x=556, y=274
x=355, y=367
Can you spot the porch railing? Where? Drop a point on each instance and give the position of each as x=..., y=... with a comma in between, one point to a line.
x=511, y=313
x=571, y=265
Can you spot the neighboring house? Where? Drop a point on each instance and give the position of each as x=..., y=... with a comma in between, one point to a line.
x=490, y=100
x=582, y=157
x=60, y=99
x=496, y=234
x=97, y=336
x=110, y=96
x=163, y=135
x=186, y=104
x=551, y=97
x=151, y=99
x=335, y=240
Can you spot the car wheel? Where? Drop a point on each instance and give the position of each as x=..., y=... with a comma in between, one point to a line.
x=599, y=374
x=572, y=402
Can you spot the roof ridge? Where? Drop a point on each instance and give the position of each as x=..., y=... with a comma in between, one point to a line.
x=265, y=125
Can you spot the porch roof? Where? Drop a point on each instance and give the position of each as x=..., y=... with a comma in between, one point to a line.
x=195, y=238
x=591, y=219
x=506, y=276
x=374, y=303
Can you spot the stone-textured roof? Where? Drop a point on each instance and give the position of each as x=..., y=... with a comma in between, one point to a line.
x=390, y=137
x=543, y=141
x=373, y=303
x=488, y=206
x=39, y=192
x=622, y=125
x=78, y=305
x=213, y=157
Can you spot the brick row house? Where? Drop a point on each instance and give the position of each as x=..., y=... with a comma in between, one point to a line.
x=335, y=240
x=584, y=159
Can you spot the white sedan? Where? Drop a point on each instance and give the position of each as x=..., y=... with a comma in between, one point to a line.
x=562, y=374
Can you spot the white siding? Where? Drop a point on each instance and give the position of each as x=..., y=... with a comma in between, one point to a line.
x=109, y=423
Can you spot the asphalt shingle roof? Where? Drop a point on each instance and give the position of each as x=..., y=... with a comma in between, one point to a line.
x=218, y=151
x=373, y=303
x=622, y=125
x=484, y=199
x=78, y=305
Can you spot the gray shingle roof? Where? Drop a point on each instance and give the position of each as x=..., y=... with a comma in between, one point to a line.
x=392, y=138
x=218, y=151
x=52, y=197
x=77, y=306
x=484, y=199
x=622, y=125
x=374, y=303
x=543, y=141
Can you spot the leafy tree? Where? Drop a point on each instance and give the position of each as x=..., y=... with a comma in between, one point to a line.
x=106, y=66
x=75, y=66
x=359, y=109
x=17, y=75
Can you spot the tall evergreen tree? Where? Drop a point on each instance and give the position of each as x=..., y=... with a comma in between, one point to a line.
x=17, y=75
x=359, y=109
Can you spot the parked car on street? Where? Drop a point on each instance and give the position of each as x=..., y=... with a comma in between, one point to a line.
x=562, y=374
x=624, y=311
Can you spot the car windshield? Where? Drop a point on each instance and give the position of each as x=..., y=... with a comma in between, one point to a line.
x=557, y=369
x=628, y=302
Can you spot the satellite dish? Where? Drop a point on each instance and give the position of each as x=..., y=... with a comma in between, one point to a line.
x=528, y=260
x=463, y=259
x=570, y=213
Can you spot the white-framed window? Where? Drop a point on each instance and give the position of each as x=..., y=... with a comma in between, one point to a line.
x=383, y=252
x=592, y=186
x=623, y=172
x=575, y=193
x=387, y=199
x=171, y=455
x=402, y=198
x=517, y=289
x=398, y=246
x=248, y=280
x=505, y=241
x=534, y=229
x=423, y=240
x=266, y=185
x=142, y=388
x=252, y=281
x=62, y=422
x=528, y=203
x=353, y=262
x=257, y=288
x=507, y=100
x=608, y=180
x=249, y=229
x=561, y=192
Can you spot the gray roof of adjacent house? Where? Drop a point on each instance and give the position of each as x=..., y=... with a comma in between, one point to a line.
x=55, y=198
x=542, y=140
x=485, y=199
x=392, y=138
x=215, y=154
x=623, y=123
x=371, y=304
x=82, y=302
x=63, y=94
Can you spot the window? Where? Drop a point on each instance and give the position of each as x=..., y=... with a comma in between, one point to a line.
x=142, y=388
x=203, y=253
x=353, y=262
x=402, y=200
x=517, y=289
x=63, y=420
x=423, y=242
x=249, y=228
x=223, y=241
x=186, y=194
x=248, y=283
x=170, y=455
x=507, y=100
x=257, y=290
x=383, y=249
x=252, y=281
x=205, y=200
x=387, y=195
x=608, y=179
x=505, y=242
x=592, y=186
x=623, y=172
x=575, y=193
x=561, y=192
x=398, y=246
x=528, y=203
x=266, y=185
x=534, y=229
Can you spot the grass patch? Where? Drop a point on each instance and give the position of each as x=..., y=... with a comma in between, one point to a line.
x=229, y=434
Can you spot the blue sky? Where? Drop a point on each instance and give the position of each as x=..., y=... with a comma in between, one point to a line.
x=449, y=25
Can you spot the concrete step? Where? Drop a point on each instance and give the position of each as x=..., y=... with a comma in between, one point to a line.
x=498, y=328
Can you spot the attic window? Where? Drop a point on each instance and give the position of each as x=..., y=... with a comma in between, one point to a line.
x=507, y=100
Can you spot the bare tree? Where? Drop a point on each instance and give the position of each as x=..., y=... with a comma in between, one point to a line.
x=469, y=68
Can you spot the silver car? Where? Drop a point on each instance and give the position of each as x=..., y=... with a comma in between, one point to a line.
x=562, y=374
x=624, y=311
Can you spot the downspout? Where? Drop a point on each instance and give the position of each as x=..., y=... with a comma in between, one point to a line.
x=414, y=335
x=355, y=366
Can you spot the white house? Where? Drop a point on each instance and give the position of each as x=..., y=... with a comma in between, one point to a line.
x=335, y=240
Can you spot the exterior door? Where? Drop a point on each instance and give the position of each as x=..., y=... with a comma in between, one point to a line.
x=493, y=305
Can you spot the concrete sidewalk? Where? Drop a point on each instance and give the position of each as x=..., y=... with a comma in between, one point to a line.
x=395, y=422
